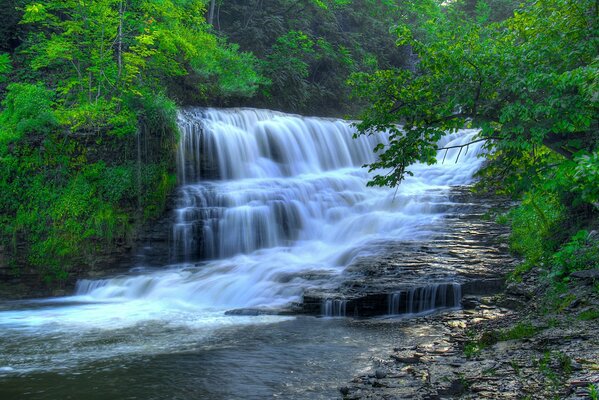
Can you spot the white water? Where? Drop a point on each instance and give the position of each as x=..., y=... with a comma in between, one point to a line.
x=424, y=299
x=334, y=308
x=286, y=209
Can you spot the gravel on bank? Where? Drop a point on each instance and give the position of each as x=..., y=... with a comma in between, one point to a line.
x=507, y=346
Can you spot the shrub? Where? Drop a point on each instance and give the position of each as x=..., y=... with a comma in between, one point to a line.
x=581, y=252
x=27, y=109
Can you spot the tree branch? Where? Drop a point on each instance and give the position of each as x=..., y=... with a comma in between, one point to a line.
x=461, y=146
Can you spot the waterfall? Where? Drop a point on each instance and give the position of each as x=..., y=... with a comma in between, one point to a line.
x=425, y=298
x=273, y=183
x=334, y=308
x=271, y=204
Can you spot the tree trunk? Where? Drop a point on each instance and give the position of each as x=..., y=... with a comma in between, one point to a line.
x=120, y=40
x=211, y=13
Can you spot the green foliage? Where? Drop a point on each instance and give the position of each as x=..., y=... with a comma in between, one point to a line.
x=287, y=67
x=66, y=209
x=102, y=52
x=533, y=223
x=526, y=82
x=586, y=177
x=237, y=72
x=473, y=349
x=593, y=392
x=88, y=122
x=556, y=368
x=519, y=331
x=580, y=253
x=326, y=4
x=588, y=315
x=5, y=66
x=27, y=109
x=331, y=43
x=556, y=298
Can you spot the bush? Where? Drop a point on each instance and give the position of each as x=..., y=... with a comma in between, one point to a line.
x=533, y=224
x=581, y=252
x=586, y=177
x=27, y=109
x=520, y=331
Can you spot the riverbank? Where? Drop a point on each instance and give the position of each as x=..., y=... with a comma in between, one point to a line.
x=524, y=342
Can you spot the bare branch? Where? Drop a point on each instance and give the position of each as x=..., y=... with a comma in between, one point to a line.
x=460, y=146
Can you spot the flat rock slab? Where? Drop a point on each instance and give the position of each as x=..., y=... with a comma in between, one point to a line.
x=464, y=249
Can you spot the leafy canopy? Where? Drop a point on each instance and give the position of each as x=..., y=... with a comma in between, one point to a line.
x=528, y=81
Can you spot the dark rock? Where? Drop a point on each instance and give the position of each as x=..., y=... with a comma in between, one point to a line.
x=456, y=388
x=511, y=302
x=574, y=304
x=575, y=366
x=470, y=302
x=344, y=390
x=259, y=311
x=587, y=274
x=483, y=286
x=520, y=289
x=406, y=360
x=380, y=374
x=378, y=384
x=489, y=338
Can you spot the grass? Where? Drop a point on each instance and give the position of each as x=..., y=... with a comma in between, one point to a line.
x=519, y=331
x=588, y=315
x=472, y=349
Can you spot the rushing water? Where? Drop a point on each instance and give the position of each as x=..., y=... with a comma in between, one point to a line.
x=270, y=205
x=425, y=298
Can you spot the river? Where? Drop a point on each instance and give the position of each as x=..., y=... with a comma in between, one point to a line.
x=269, y=205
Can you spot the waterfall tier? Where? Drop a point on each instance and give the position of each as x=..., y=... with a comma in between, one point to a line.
x=273, y=204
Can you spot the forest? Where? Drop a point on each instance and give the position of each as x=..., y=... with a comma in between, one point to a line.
x=84, y=82
x=90, y=93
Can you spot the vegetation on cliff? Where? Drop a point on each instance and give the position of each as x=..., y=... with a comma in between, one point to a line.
x=89, y=93
x=308, y=49
x=88, y=119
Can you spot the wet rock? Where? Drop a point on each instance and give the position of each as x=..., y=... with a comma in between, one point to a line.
x=465, y=252
x=260, y=311
x=406, y=360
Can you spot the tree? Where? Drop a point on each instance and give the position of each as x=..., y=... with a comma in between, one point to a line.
x=346, y=36
x=527, y=82
x=211, y=12
x=88, y=120
x=102, y=52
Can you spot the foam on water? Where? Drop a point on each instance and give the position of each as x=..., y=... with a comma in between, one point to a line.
x=274, y=204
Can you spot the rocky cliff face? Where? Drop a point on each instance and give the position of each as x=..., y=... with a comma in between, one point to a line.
x=149, y=247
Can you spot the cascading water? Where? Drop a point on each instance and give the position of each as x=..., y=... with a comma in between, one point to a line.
x=334, y=308
x=279, y=178
x=278, y=203
x=425, y=298
x=270, y=205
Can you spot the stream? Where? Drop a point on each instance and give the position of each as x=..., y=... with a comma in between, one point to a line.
x=270, y=206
